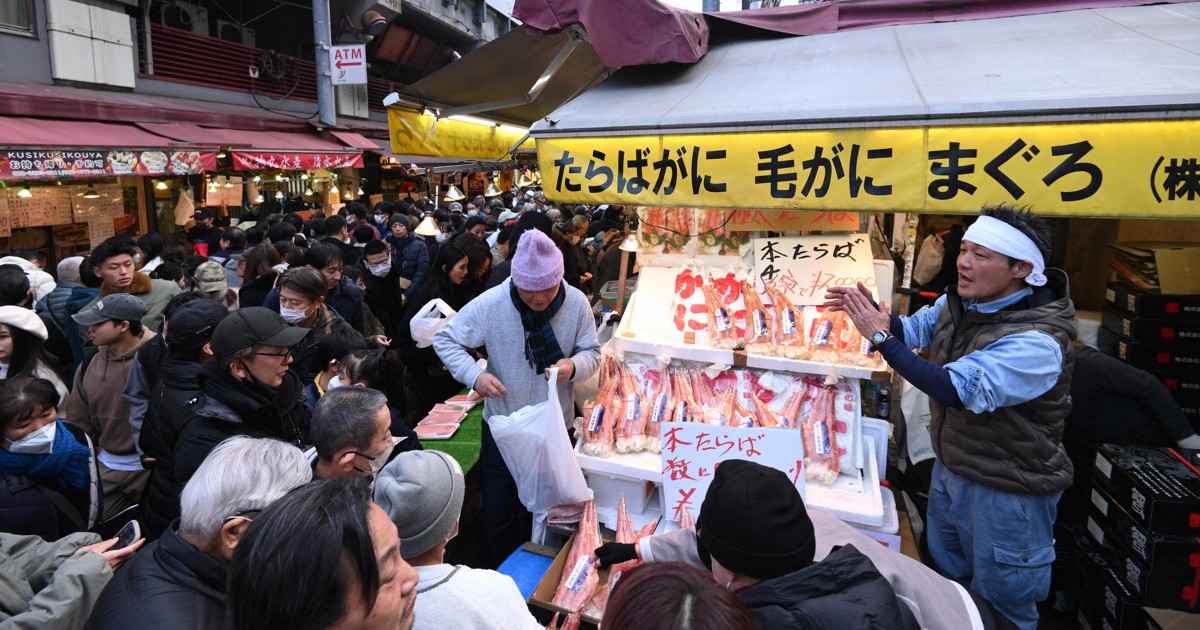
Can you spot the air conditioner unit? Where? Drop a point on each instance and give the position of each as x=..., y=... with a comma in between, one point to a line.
x=182, y=15
x=234, y=32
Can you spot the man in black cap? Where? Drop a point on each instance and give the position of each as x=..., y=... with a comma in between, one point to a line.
x=205, y=237
x=247, y=389
x=796, y=569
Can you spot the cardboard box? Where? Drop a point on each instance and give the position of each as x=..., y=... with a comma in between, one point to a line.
x=1160, y=553
x=1167, y=356
x=1105, y=600
x=1177, y=264
x=1173, y=619
x=1143, y=330
x=543, y=595
x=1184, y=386
x=1151, y=305
x=1156, y=486
x=1170, y=583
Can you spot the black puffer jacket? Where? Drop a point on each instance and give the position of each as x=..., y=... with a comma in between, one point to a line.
x=229, y=407
x=843, y=591
x=177, y=385
x=169, y=584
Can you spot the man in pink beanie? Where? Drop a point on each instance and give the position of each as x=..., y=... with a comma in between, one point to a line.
x=530, y=323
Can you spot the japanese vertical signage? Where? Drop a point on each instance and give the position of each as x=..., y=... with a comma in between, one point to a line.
x=804, y=267
x=1095, y=169
x=692, y=451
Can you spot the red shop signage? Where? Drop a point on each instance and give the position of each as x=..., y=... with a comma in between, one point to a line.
x=243, y=161
x=84, y=163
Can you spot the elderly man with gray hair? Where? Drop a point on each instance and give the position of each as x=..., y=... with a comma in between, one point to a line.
x=179, y=580
x=351, y=430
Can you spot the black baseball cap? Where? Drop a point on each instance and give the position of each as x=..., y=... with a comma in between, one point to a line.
x=194, y=323
x=202, y=213
x=255, y=326
x=118, y=306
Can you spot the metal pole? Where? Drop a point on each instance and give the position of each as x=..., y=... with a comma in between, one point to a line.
x=325, y=109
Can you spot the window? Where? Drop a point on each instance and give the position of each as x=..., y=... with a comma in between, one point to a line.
x=16, y=15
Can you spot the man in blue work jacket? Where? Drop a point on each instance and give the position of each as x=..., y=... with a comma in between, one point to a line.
x=998, y=379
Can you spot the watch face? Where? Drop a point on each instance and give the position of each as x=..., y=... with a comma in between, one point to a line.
x=878, y=337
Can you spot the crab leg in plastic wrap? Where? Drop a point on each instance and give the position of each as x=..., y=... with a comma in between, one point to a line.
x=581, y=572
x=758, y=323
x=820, y=439
x=602, y=416
x=791, y=408
x=827, y=338
x=788, y=328
x=631, y=426
x=721, y=332
x=764, y=416
x=662, y=409
x=686, y=408
x=625, y=535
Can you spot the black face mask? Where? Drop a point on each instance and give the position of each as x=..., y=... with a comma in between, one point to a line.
x=255, y=386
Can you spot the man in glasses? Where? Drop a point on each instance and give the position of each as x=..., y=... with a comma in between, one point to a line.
x=247, y=389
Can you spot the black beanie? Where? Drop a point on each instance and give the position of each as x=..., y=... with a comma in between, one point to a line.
x=754, y=522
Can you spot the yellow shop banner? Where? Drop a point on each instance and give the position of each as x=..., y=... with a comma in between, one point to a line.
x=1119, y=169
x=413, y=133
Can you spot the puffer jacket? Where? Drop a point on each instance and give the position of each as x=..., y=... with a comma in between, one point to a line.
x=55, y=303
x=228, y=407
x=1016, y=449
x=412, y=257
x=48, y=584
x=40, y=282
x=842, y=591
x=179, y=384
x=168, y=584
x=26, y=509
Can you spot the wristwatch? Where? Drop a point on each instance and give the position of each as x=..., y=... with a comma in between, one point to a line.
x=880, y=336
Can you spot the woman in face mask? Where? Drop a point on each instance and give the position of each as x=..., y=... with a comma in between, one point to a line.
x=22, y=335
x=50, y=486
x=302, y=303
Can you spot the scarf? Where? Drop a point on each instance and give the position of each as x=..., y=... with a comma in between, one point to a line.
x=66, y=464
x=541, y=347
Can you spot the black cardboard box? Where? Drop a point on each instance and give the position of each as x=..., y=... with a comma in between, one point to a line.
x=1142, y=303
x=1149, y=356
x=1144, y=330
x=1169, y=583
x=1105, y=600
x=1184, y=386
x=1161, y=553
x=1158, y=487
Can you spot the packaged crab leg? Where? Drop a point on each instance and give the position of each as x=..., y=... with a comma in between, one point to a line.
x=580, y=573
x=764, y=416
x=820, y=439
x=788, y=328
x=686, y=407
x=599, y=422
x=825, y=345
x=791, y=408
x=662, y=409
x=721, y=332
x=758, y=322
x=631, y=426
x=861, y=352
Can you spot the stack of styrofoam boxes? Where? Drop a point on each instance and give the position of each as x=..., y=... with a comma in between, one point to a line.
x=1143, y=542
x=1157, y=333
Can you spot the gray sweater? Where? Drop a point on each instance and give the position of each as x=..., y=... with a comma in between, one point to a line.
x=491, y=320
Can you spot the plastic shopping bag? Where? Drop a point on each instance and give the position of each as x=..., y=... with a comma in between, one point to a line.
x=430, y=319
x=536, y=449
x=929, y=259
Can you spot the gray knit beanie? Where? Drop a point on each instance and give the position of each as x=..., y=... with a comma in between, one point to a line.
x=422, y=492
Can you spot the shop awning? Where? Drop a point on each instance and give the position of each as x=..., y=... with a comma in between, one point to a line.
x=1082, y=113
x=516, y=78
x=384, y=147
x=38, y=148
x=269, y=149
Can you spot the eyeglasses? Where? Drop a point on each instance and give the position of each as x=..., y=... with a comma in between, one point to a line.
x=285, y=356
x=242, y=515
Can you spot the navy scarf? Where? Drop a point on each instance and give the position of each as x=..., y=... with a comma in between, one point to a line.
x=66, y=464
x=541, y=346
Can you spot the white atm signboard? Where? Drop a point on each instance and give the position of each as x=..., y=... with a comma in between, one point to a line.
x=348, y=64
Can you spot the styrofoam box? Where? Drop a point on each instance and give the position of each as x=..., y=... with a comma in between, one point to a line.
x=855, y=498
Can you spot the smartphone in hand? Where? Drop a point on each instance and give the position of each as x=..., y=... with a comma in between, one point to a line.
x=131, y=533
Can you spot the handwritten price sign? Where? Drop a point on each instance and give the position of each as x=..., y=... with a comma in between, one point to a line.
x=804, y=267
x=692, y=451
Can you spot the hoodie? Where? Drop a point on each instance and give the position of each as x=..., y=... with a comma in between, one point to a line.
x=96, y=404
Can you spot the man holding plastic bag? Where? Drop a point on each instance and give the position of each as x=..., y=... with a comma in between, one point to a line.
x=527, y=325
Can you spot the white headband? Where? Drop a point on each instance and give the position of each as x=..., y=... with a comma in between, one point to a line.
x=1003, y=238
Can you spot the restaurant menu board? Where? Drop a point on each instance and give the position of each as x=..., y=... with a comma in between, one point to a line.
x=63, y=205
x=50, y=205
x=26, y=164
x=220, y=195
x=109, y=204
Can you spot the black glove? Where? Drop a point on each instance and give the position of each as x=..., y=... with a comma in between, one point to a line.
x=615, y=553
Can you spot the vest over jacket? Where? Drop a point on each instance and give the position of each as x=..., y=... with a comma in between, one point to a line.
x=1015, y=449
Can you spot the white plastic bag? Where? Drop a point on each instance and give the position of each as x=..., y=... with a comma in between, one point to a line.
x=929, y=259
x=915, y=405
x=430, y=319
x=536, y=449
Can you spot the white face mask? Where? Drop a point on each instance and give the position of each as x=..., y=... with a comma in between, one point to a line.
x=334, y=383
x=380, y=270
x=380, y=218
x=293, y=315
x=39, y=442
x=441, y=237
x=137, y=258
x=379, y=460
x=472, y=212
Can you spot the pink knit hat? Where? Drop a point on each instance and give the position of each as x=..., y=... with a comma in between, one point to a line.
x=538, y=263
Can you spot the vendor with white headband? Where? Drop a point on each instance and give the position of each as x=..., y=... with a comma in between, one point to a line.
x=998, y=379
